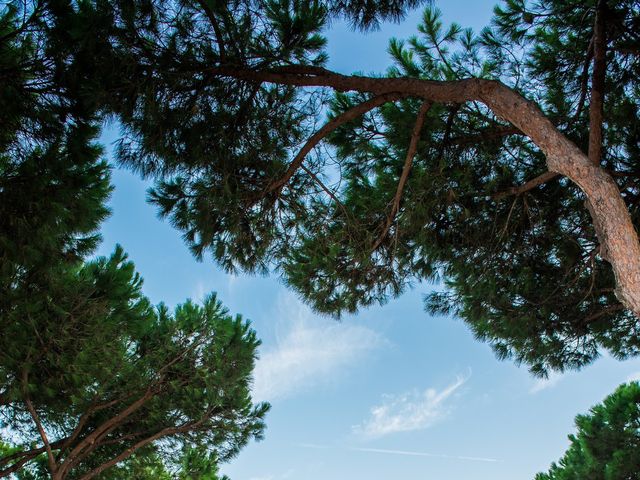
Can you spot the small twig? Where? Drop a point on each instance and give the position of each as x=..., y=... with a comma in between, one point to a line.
x=326, y=189
x=525, y=187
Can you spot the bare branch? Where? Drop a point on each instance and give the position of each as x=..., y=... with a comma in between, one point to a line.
x=525, y=187
x=216, y=28
x=408, y=162
x=36, y=419
x=329, y=127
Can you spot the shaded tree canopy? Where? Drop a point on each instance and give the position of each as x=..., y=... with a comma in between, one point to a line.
x=92, y=376
x=479, y=159
x=606, y=444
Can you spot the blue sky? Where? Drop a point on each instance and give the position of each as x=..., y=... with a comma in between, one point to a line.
x=389, y=393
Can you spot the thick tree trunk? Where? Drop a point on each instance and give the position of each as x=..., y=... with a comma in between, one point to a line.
x=611, y=218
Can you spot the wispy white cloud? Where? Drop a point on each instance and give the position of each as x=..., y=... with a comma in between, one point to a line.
x=413, y=410
x=308, y=352
x=423, y=454
x=544, y=383
x=402, y=452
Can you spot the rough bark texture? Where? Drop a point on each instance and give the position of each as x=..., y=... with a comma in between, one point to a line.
x=612, y=222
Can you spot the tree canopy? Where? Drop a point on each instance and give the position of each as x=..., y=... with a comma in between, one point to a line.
x=501, y=162
x=606, y=444
x=92, y=376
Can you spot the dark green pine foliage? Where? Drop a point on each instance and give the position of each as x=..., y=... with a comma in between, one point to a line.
x=79, y=343
x=53, y=184
x=523, y=269
x=606, y=445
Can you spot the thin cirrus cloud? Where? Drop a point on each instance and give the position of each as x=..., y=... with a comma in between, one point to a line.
x=413, y=410
x=309, y=352
x=410, y=453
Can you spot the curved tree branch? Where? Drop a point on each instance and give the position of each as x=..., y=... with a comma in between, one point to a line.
x=329, y=127
x=525, y=187
x=612, y=222
x=216, y=28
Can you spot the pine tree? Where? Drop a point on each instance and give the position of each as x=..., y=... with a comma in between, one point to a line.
x=91, y=375
x=606, y=443
x=502, y=162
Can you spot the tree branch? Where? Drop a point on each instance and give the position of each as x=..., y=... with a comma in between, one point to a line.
x=326, y=189
x=131, y=450
x=18, y=465
x=492, y=134
x=525, y=187
x=83, y=420
x=604, y=311
x=408, y=162
x=77, y=453
x=329, y=127
x=25, y=24
x=36, y=419
x=613, y=224
x=92, y=441
x=584, y=80
x=596, y=106
x=216, y=28
x=24, y=456
x=447, y=130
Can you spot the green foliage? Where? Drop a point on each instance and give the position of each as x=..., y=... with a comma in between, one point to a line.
x=524, y=270
x=83, y=354
x=102, y=348
x=607, y=444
